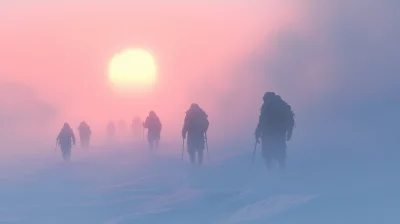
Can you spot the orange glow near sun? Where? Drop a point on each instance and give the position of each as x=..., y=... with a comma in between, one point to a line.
x=133, y=69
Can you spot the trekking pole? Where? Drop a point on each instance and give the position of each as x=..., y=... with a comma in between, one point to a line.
x=208, y=155
x=183, y=147
x=254, y=153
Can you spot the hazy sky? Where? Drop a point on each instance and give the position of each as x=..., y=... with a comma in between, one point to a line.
x=319, y=55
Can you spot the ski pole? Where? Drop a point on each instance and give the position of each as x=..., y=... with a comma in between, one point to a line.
x=183, y=147
x=208, y=155
x=254, y=153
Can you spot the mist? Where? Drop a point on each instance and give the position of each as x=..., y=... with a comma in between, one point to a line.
x=334, y=62
x=66, y=64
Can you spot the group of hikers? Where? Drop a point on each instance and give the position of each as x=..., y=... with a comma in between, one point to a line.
x=122, y=126
x=66, y=138
x=274, y=129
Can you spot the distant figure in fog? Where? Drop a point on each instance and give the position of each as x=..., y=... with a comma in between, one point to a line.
x=84, y=134
x=111, y=130
x=154, y=126
x=195, y=126
x=122, y=126
x=66, y=139
x=137, y=127
x=275, y=127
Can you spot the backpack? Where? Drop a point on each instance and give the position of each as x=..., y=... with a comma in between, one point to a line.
x=153, y=124
x=279, y=114
x=157, y=125
x=198, y=123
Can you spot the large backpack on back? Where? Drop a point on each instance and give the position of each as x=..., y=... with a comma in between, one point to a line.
x=155, y=124
x=198, y=123
x=279, y=114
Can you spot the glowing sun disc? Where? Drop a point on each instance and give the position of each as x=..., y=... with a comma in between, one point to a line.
x=132, y=69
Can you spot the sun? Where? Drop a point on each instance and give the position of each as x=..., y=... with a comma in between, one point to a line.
x=133, y=69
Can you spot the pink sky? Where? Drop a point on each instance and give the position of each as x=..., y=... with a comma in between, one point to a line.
x=62, y=51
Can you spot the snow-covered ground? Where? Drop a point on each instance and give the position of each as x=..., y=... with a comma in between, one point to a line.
x=127, y=184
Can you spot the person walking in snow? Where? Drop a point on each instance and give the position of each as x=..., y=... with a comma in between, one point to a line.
x=66, y=139
x=195, y=127
x=275, y=128
x=84, y=134
x=154, y=126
